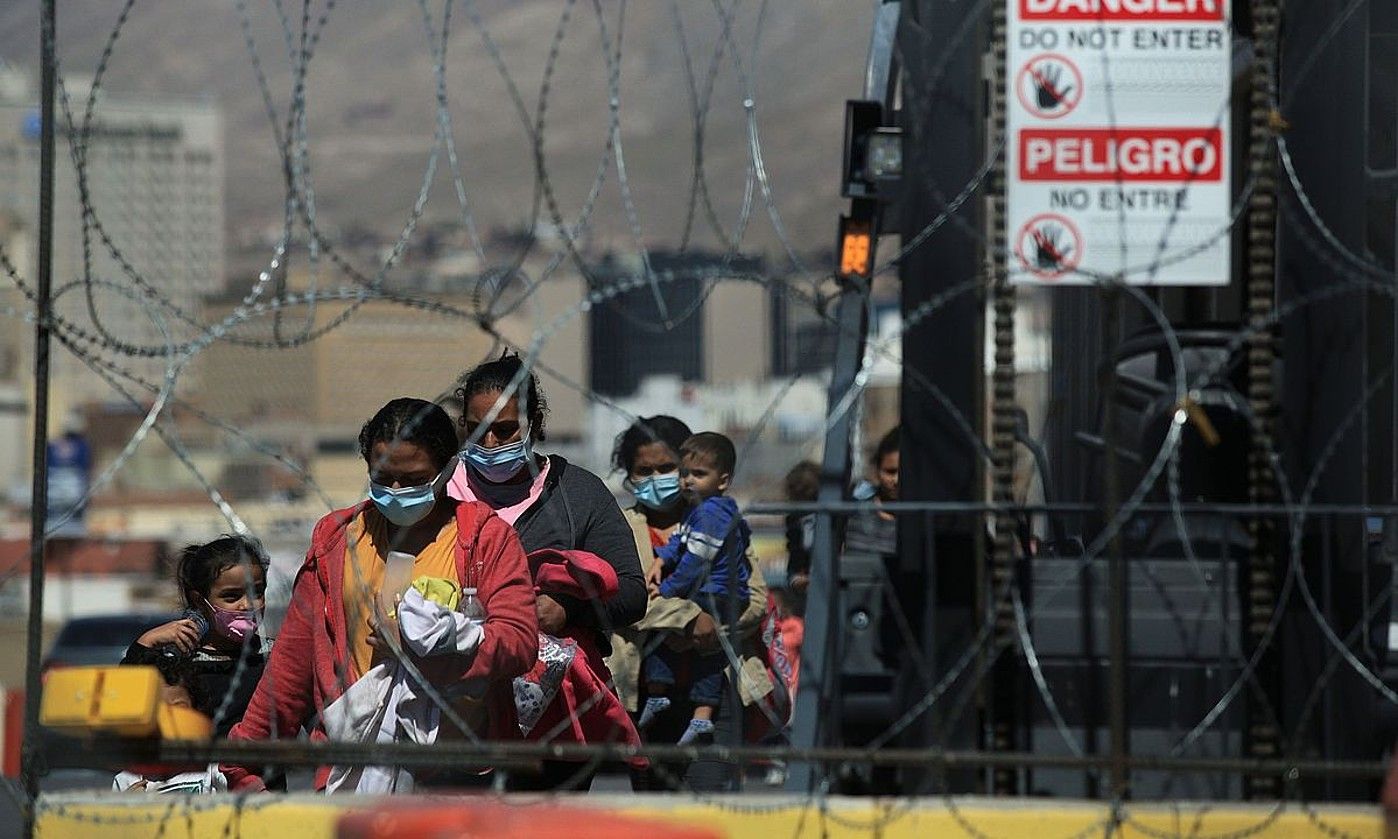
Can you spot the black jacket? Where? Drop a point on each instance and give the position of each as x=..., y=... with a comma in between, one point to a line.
x=577, y=512
x=213, y=676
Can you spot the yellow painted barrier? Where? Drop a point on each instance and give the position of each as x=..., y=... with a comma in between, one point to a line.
x=75, y=816
x=112, y=700
x=122, y=701
x=983, y=818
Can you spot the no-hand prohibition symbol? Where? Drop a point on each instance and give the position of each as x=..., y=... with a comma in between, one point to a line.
x=1049, y=86
x=1049, y=246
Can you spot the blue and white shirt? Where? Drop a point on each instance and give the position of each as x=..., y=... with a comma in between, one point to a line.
x=711, y=545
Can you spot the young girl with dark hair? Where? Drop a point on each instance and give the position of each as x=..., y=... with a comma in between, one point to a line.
x=222, y=584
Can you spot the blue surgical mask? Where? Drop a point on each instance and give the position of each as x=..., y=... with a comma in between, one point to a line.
x=658, y=491
x=406, y=506
x=499, y=464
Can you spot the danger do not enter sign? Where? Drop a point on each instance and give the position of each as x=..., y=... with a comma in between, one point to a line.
x=1117, y=142
x=1119, y=10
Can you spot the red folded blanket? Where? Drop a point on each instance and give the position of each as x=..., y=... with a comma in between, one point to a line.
x=581, y=574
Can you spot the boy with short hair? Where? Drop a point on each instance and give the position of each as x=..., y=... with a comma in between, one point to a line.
x=705, y=562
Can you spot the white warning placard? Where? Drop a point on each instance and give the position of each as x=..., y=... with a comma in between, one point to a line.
x=1117, y=141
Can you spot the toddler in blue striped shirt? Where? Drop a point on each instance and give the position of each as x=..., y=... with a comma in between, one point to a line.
x=705, y=561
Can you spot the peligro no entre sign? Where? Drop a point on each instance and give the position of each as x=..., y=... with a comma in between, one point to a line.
x=1117, y=159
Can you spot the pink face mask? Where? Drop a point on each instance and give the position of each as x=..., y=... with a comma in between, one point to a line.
x=236, y=626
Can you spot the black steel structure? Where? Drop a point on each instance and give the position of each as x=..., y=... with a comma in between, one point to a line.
x=1334, y=351
x=656, y=329
x=941, y=558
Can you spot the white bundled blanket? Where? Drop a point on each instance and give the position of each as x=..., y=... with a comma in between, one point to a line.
x=198, y=783
x=384, y=706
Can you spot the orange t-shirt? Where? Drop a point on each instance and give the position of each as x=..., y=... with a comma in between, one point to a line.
x=367, y=547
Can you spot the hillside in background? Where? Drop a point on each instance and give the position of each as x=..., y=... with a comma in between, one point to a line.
x=371, y=94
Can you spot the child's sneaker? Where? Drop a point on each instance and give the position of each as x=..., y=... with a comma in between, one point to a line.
x=655, y=706
x=776, y=774
x=697, y=729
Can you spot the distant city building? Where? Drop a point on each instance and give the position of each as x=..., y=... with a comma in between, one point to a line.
x=155, y=180
x=700, y=321
x=315, y=396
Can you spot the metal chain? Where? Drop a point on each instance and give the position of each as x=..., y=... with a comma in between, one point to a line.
x=1262, y=737
x=1005, y=693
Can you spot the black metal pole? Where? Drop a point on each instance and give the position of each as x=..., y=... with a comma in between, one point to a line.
x=1335, y=134
x=816, y=717
x=32, y=756
x=941, y=558
x=817, y=713
x=1116, y=562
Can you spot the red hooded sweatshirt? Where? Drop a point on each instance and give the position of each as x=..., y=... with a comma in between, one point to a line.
x=585, y=709
x=310, y=664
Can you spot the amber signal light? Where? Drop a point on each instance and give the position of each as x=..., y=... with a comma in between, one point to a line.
x=855, y=247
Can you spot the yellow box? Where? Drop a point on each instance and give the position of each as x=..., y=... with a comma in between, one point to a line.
x=111, y=700
x=68, y=698
x=177, y=723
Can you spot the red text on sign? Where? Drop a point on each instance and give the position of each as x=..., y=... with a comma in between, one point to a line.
x=1137, y=10
x=1121, y=154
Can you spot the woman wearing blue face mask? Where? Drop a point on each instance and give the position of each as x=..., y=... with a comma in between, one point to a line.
x=553, y=504
x=647, y=453
x=334, y=633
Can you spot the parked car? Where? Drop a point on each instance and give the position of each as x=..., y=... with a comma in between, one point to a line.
x=101, y=639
